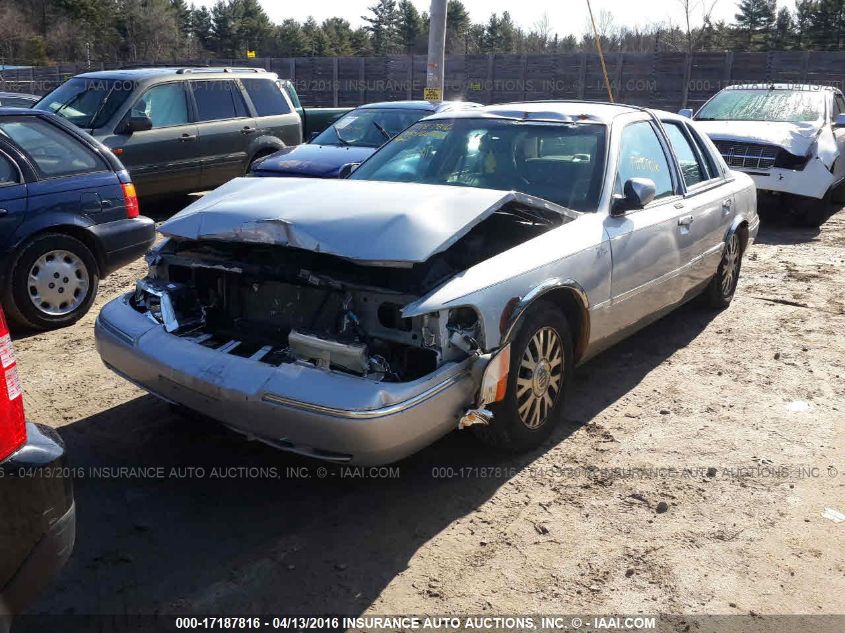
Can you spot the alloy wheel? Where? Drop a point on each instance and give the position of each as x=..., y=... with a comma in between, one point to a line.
x=540, y=377
x=730, y=265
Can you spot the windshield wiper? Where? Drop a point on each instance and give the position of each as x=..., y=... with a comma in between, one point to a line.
x=384, y=132
x=342, y=140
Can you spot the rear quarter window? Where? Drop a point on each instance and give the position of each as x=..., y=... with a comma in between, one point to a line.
x=266, y=96
x=52, y=151
x=218, y=99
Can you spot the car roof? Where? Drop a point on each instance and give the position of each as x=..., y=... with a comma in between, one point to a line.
x=429, y=106
x=137, y=74
x=771, y=86
x=19, y=95
x=560, y=111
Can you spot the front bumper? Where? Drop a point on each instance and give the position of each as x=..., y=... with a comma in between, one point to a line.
x=813, y=181
x=295, y=407
x=38, y=526
x=123, y=241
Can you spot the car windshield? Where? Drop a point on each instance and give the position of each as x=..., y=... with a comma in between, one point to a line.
x=369, y=127
x=85, y=102
x=562, y=163
x=792, y=106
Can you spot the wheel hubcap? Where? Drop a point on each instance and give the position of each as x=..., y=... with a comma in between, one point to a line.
x=540, y=376
x=730, y=265
x=58, y=283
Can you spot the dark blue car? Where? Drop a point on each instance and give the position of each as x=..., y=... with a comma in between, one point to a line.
x=68, y=217
x=351, y=139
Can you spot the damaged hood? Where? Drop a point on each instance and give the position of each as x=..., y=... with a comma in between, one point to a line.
x=795, y=138
x=365, y=221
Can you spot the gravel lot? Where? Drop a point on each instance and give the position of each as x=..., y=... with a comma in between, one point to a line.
x=750, y=401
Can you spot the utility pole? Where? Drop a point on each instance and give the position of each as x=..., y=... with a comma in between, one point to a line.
x=436, y=51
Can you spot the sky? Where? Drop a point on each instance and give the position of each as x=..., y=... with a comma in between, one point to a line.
x=566, y=16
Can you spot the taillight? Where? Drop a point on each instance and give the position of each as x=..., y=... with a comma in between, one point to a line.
x=12, y=420
x=130, y=199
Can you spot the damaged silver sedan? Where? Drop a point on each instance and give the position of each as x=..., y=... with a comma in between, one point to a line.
x=454, y=280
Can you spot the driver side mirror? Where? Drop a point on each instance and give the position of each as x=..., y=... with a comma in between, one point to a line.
x=137, y=124
x=686, y=112
x=347, y=170
x=839, y=121
x=638, y=192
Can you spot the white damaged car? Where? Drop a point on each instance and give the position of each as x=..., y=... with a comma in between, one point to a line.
x=789, y=138
x=454, y=280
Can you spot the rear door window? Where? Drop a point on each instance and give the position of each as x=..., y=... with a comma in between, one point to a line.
x=692, y=170
x=51, y=150
x=266, y=96
x=218, y=99
x=710, y=163
x=166, y=105
x=9, y=174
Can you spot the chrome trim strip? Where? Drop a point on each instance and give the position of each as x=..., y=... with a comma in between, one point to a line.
x=364, y=414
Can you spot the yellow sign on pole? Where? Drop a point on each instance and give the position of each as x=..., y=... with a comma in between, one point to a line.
x=250, y=54
x=433, y=94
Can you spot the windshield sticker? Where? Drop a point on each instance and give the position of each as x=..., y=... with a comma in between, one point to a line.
x=644, y=163
x=345, y=122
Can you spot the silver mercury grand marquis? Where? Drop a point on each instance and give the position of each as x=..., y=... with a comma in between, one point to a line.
x=454, y=280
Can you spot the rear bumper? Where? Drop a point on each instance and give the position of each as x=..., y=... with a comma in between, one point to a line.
x=38, y=529
x=123, y=241
x=298, y=408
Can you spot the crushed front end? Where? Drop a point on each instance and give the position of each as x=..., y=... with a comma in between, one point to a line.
x=302, y=350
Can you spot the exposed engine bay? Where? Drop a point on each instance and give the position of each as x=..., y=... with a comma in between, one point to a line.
x=278, y=304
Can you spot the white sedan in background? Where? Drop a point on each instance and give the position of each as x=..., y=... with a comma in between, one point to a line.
x=789, y=138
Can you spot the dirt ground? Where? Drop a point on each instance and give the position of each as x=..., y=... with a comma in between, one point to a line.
x=691, y=476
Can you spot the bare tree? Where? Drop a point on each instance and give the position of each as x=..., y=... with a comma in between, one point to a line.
x=694, y=36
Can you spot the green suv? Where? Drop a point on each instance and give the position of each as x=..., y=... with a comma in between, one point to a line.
x=181, y=130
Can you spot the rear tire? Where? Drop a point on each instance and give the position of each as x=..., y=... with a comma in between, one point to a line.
x=540, y=370
x=720, y=292
x=54, y=281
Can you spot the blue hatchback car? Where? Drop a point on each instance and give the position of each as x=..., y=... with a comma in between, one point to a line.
x=68, y=217
x=351, y=139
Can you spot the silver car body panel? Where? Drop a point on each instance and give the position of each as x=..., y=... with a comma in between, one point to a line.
x=624, y=272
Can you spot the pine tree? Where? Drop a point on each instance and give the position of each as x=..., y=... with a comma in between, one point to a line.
x=457, y=27
x=803, y=22
x=826, y=21
x=784, y=30
x=755, y=22
x=409, y=26
x=383, y=27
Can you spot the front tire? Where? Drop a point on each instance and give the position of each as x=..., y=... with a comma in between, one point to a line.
x=540, y=370
x=811, y=212
x=54, y=282
x=722, y=287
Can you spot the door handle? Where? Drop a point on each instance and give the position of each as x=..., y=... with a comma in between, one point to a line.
x=4, y=212
x=686, y=220
x=247, y=130
x=188, y=137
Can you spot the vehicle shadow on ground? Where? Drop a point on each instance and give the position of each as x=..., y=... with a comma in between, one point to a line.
x=272, y=540
x=779, y=228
